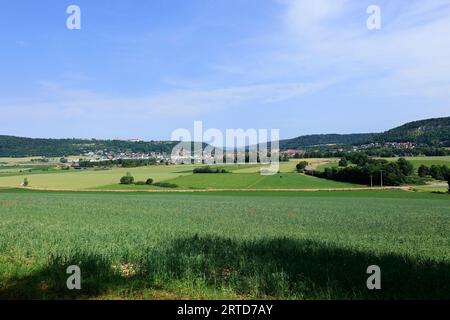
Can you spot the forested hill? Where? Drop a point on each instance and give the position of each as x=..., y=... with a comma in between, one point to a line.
x=325, y=139
x=432, y=132
x=20, y=147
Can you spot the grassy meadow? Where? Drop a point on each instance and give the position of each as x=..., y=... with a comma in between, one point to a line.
x=224, y=245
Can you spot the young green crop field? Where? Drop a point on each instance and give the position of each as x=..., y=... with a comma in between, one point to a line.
x=224, y=245
x=250, y=181
x=256, y=181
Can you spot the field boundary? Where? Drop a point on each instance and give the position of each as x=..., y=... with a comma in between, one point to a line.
x=404, y=188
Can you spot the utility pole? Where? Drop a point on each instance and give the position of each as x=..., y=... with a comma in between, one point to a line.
x=381, y=175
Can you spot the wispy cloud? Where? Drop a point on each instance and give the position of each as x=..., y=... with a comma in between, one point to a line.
x=308, y=16
x=408, y=56
x=325, y=39
x=68, y=102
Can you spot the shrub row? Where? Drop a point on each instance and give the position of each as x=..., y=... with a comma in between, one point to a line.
x=208, y=169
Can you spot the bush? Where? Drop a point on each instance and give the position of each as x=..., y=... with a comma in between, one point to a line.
x=149, y=181
x=343, y=162
x=140, y=183
x=439, y=172
x=416, y=180
x=301, y=166
x=208, y=169
x=423, y=171
x=405, y=166
x=447, y=177
x=166, y=185
x=128, y=179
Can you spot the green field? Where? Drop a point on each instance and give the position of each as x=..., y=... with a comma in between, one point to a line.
x=428, y=161
x=240, y=177
x=86, y=179
x=431, y=188
x=224, y=245
x=322, y=167
x=50, y=177
x=242, y=181
x=255, y=181
x=12, y=169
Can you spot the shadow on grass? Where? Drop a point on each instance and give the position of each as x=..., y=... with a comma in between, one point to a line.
x=276, y=268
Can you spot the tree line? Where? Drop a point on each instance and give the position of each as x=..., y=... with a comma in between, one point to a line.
x=11, y=146
x=361, y=169
x=436, y=172
x=382, y=152
x=124, y=163
x=208, y=169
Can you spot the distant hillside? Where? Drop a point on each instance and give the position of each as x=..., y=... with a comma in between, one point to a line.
x=431, y=132
x=325, y=139
x=21, y=147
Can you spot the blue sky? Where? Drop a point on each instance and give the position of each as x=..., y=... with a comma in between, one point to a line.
x=141, y=69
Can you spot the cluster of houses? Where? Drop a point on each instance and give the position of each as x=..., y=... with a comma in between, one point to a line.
x=185, y=157
x=292, y=153
x=394, y=145
x=104, y=155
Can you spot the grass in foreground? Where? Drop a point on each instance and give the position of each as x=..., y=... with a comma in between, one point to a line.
x=262, y=244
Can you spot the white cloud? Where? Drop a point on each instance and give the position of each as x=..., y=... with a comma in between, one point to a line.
x=409, y=55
